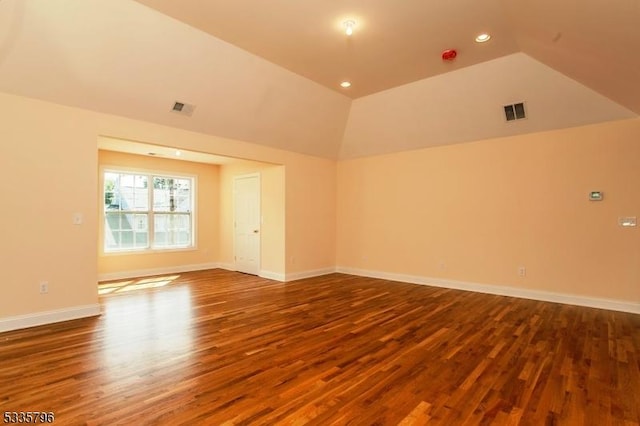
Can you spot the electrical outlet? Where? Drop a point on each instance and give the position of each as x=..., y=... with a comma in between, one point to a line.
x=44, y=287
x=522, y=271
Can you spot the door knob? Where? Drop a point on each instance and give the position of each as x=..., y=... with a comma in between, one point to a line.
x=255, y=231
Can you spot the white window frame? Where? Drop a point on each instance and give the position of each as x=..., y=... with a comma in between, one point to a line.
x=149, y=174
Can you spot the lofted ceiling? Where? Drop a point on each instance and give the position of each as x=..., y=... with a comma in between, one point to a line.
x=269, y=72
x=393, y=43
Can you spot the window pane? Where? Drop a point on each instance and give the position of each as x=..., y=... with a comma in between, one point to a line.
x=125, y=197
x=161, y=230
x=172, y=230
x=110, y=182
x=140, y=224
x=183, y=195
x=141, y=194
x=161, y=194
x=111, y=231
x=125, y=191
x=126, y=240
x=133, y=192
x=125, y=231
x=171, y=194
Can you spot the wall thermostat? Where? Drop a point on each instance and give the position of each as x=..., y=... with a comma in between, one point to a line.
x=628, y=222
x=595, y=195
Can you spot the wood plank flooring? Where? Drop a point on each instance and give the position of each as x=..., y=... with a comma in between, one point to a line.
x=217, y=347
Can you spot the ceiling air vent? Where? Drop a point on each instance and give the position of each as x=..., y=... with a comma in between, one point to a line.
x=183, y=108
x=514, y=112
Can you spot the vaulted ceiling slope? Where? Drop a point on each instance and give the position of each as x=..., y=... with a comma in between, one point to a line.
x=268, y=72
x=596, y=42
x=468, y=105
x=120, y=57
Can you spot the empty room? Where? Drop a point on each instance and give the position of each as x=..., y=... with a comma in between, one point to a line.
x=320, y=212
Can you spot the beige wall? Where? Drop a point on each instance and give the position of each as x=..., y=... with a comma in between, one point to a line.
x=206, y=214
x=482, y=209
x=311, y=215
x=475, y=212
x=49, y=163
x=272, y=242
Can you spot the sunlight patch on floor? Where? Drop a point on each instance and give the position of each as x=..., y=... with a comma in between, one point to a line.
x=132, y=285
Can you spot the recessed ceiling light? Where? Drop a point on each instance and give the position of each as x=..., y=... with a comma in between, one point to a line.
x=345, y=84
x=481, y=38
x=178, y=153
x=348, y=26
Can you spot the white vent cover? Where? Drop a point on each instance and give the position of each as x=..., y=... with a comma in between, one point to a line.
x=183, y=108
x=514, y=112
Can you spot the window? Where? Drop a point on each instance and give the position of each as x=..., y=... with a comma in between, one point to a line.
x=147, y=211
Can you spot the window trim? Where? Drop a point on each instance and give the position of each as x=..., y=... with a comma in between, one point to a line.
x=150, y=173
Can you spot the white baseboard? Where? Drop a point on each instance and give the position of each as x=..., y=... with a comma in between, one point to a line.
x=157, y=271
x=309, y=274
x=277, y=276
x=48, y=317
x=546, y=296
x=227, y=266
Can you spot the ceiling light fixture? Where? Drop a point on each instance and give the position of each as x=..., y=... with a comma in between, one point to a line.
x=345, y=84
x=178, y=153
x=348, y=26
x=481, y=38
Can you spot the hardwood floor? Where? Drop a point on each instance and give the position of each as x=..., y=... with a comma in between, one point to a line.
x=217, y=347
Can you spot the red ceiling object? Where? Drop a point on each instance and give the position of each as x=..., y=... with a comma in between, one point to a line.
x=449, y=55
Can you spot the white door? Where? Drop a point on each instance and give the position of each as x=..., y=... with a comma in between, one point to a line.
x=246, y=212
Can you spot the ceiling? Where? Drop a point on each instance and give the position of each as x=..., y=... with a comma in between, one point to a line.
x=467, y=105
x=393, y=43
x=269, y=72
x=399, y=42
x=139, y=148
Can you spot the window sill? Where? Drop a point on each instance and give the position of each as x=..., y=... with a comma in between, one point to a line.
x=147, y=251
